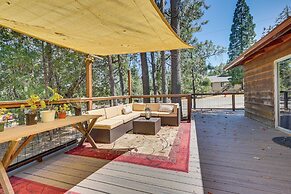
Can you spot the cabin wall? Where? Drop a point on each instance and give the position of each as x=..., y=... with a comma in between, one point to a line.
x=259, y=83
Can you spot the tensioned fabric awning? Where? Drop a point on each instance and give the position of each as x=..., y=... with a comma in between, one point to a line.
x=101, y=27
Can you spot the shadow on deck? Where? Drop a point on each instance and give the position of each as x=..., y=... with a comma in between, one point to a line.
x=238, y=155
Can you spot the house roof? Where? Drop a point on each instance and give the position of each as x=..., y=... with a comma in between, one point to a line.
x=102, y=27
x=279, y=35
x=214, y=79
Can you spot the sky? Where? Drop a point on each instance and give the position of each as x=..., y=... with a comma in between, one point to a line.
x=220, y=15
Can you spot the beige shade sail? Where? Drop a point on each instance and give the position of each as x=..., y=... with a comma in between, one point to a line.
x=101, y=27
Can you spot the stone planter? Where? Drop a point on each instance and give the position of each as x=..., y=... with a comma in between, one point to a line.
x=31, y=119
x=47, y=115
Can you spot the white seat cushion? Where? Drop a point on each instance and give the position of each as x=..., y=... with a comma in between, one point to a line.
x=98, y=112
x=108, y=123
x=128, y=117
x=113, y=111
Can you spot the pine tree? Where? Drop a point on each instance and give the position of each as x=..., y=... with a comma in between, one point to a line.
x=241, y=38
x=286, y=13
x=175, y=54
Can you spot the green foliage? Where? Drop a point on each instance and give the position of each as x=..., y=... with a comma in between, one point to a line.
x=241, y=38
x=286, y=13
x=285, y=75
x=217, y=70
x=28, y=65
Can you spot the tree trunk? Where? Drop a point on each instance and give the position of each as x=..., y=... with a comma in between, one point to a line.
x=154, y=72
x=111, y=79
x=175, y=54
x=120, y=72
x=44, y=65
x=50, y=72
x=145, y=76
x=163, y=60
x=164, y=73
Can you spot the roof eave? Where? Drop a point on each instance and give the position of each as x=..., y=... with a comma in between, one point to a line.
x=270, y=37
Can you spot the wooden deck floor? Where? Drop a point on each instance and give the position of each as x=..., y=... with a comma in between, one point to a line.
x=237, y=155
x=89, y=175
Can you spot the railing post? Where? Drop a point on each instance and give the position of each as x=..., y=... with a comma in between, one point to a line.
x=189, y=101
x=89, y=62
x=233, y=101
x=285, y=100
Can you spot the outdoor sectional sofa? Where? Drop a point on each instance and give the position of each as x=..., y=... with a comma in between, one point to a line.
x=114, y=123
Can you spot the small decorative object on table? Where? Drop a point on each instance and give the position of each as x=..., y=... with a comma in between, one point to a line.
x=78, y=111
x=148, y=113
x=77, y=108
x=62, y=111
x=4, y=117
x=50, y=114
x=35, y=104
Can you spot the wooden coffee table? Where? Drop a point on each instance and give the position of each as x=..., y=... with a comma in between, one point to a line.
x=146, y=127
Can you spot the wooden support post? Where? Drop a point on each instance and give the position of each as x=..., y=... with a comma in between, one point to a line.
x=129, y=85
x=10, y=151
x=4, y=180
x=189, y=102
x=89, y=80
x=233, y=101
x=21, y=147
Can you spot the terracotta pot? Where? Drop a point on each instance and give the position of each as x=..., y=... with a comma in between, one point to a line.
x=62, y=115
x=2, y=126
x=31, y=119
x=78, y=111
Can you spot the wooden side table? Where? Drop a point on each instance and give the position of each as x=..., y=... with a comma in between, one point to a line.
x=146, y=127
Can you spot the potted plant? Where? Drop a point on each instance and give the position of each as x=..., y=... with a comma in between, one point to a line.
x=35, y=104
x=77, y=108
x=4, y=117
x=49, y=114
x=62, y=111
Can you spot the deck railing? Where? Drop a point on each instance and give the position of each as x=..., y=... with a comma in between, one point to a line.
x=229, y=100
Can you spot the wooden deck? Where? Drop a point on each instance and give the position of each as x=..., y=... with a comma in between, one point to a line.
x=90, y=175
x=237, y=155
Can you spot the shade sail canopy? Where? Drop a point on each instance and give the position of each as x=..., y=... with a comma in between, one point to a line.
x=101, y=27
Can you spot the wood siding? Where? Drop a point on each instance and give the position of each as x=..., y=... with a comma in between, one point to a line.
x=259, y=81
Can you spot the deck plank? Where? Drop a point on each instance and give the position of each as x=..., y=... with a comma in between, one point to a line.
x=238, y=155
x=90, y=175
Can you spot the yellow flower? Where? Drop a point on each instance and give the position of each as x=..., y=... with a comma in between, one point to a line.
x=56, y=96
x=22, y=107
x=33, y=107
x=42, y=104
x=34, y=98
x=3, y=111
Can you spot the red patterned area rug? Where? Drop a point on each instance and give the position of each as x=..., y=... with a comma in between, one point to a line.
x=24, y=186
x=178, y=158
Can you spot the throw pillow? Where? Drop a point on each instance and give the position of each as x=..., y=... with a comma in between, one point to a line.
x=166, y=108
x=126, y=110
